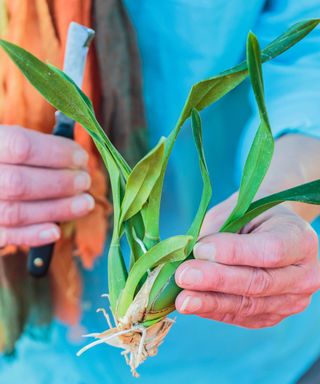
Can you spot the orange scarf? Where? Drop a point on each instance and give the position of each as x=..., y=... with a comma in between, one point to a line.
x=40, y=26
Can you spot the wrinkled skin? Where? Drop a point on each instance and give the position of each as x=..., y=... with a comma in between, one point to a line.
x=43, y=180
x=254, y=279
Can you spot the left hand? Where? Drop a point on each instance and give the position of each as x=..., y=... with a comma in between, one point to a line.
x=254, y=279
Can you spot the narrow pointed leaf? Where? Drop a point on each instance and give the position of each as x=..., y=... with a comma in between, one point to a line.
x=306, y=193
x=208, y=91
x=261, y=151
x=63, y=94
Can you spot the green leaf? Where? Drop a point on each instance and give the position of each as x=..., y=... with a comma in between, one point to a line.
x=209, y=91
x=306, y=193
x=163, y=294
x=141, y=181
x=117, y=272
x=194, y=230
x=261, y=151
x=151, y=214
x=134, y=228
x=63, y=94
x=171, y=249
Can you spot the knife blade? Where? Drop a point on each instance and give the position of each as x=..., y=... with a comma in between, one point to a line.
x=77, y=46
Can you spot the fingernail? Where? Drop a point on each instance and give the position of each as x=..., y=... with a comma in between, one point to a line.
x=80, y=158
x=82, y=204
x=205, y=251
x=191, y=304
x=82, y=182
x=190, y=276
x=49, y=234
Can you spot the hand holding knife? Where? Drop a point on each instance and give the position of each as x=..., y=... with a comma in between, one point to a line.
x=78, y=41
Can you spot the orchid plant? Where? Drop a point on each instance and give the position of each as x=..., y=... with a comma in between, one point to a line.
x=142, y=293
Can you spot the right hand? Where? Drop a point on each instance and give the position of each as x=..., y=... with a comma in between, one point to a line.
x=43, y=179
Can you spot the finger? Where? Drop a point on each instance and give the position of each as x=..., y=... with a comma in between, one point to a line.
x=198, y=275
x=32, y=236
x=289, y=241
x=29, y=183
x=216, y=216
x=16, y=214
x=201, y=303
x=256, y=322
x=22, y=146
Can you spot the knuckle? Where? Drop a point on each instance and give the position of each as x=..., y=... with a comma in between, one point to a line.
x=274, y=252
x=218, y=281
x=310, y=243
x=18, y=145
x=248, y=306
x=235, y=249
x=259, y=283
x=12, y=183
x=10, y=213
x=312, y=279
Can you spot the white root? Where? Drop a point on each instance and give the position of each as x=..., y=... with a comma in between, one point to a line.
x=106, y=316
x=128, y=333
x=140, y=242
x=95, y=334
x=108, y=298
x=141, y=344
x=103, y=340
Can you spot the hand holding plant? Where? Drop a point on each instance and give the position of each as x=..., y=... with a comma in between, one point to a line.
x=142, y=293
x=254, y=279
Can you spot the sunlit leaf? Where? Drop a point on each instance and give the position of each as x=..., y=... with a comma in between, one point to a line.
x=141, y=181
x=261, y=151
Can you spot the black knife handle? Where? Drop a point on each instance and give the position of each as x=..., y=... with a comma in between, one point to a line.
x=39, y=258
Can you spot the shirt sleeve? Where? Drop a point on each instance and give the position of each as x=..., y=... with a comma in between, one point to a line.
x=292, y=80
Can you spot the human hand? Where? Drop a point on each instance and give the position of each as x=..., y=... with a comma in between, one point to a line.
x=254, y=279
x=42, y=181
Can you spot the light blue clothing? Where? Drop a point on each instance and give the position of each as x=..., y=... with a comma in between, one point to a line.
x=181, y=42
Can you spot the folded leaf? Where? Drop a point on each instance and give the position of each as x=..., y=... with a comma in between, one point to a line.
x=261, y=151
x=141, y=182
x=195, y=227
x=171, y=249
x=305, y=193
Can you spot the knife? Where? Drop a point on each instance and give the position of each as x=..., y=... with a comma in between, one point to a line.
x=78, y=41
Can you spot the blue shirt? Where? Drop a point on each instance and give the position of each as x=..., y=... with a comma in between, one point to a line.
x=182, y=42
